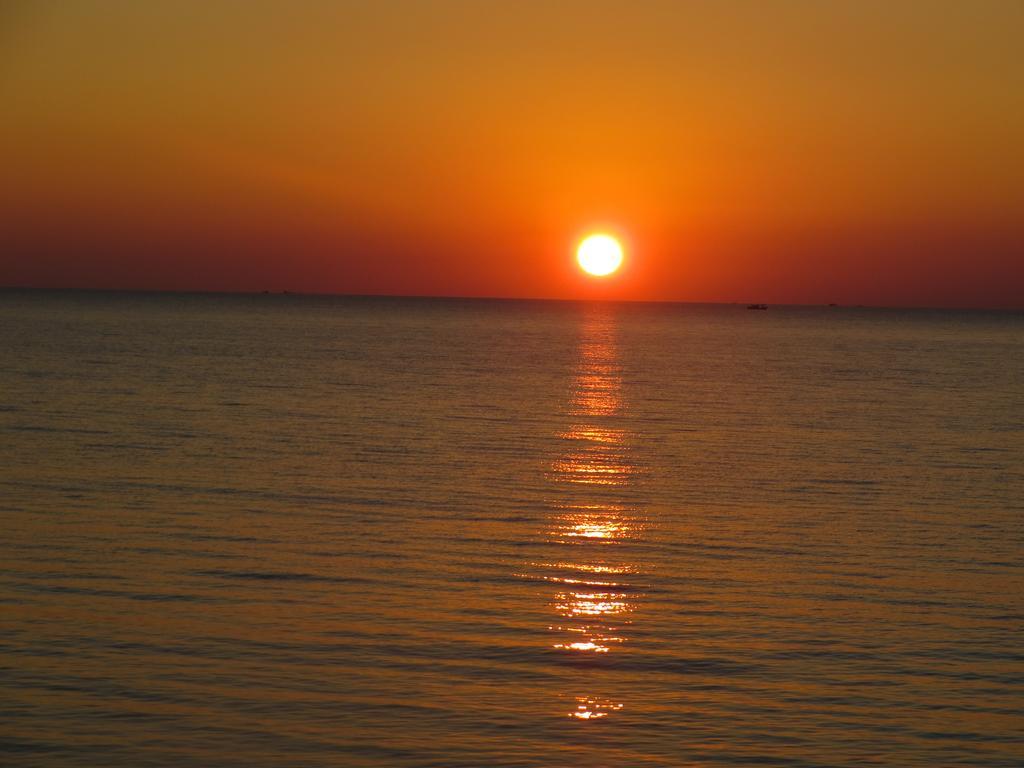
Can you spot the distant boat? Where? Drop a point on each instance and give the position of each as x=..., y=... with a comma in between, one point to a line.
x=757, y=306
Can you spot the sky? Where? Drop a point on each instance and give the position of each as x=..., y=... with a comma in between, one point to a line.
x=785, y=152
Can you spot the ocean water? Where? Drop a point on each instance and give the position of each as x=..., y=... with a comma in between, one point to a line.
x=299, y=531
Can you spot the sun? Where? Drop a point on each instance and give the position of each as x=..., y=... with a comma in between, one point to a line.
x=599, y=255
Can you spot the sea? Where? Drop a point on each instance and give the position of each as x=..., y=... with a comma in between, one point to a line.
x=282, y=530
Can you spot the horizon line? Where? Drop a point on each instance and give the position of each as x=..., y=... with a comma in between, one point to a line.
x=452, y=297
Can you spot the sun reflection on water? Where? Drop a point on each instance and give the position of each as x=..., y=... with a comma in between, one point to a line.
x=606, y=522
x=594, y=596
x=590, y=709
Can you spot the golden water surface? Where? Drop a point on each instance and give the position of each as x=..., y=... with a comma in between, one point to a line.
x=284, y=530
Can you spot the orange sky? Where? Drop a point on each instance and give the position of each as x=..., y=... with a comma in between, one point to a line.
x=801, y=152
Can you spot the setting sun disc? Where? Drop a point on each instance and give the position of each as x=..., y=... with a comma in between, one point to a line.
x=599, y=255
